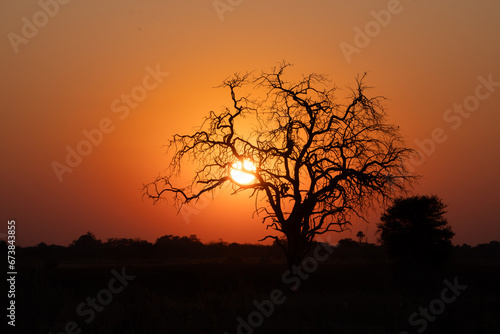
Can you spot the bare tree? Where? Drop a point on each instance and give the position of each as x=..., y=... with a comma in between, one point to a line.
x=315, y=160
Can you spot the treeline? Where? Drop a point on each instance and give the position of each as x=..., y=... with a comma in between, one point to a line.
x=169, y=247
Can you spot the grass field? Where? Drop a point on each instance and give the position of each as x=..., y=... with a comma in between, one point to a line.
x=339, y=297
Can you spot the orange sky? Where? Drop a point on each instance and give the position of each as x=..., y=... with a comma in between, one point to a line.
x=71, y=71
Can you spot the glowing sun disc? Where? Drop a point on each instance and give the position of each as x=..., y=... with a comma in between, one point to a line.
x=241, y=172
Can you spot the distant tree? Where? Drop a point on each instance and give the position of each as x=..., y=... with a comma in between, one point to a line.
x=86, y=240
x=87, y=245
x=313, y=158
x=360, y=235
x=127, y=248
x=170, y=246
x=49, y=254
x=347, y=248
x=490, y=250
x=414, y=230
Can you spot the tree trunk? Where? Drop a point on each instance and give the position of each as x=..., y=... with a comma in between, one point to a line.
x=296, y=246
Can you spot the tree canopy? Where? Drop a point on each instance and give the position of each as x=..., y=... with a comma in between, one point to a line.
x=414, y=229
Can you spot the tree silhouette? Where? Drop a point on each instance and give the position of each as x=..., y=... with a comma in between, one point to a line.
x=360, y=235
x=414, y=230
x=87, y=245
x=318, y=159
x=87, y=240
x=170, y=245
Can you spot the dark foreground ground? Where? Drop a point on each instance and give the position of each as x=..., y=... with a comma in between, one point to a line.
x=339, y=297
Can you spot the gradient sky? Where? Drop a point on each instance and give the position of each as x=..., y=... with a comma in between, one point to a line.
x=65, y=77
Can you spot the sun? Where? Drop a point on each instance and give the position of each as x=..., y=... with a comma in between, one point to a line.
x=241, y=172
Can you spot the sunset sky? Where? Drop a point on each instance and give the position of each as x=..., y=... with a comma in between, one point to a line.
x=140, y=71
